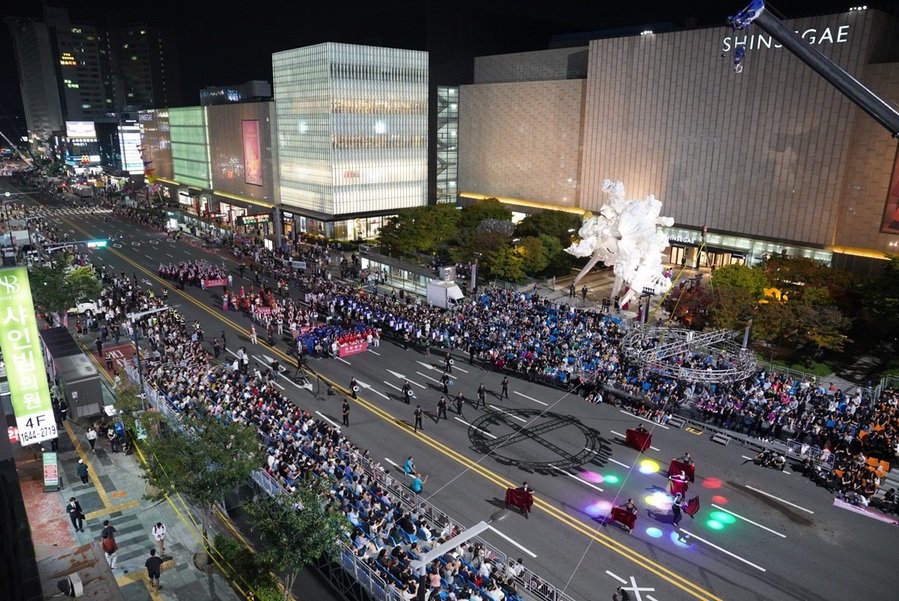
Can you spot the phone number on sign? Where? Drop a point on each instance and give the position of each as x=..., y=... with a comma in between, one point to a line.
x=29, y=436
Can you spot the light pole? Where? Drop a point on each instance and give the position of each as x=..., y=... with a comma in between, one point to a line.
x=421, y=564
x=133, y=317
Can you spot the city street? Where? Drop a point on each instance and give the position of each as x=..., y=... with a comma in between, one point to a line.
x=760, y=534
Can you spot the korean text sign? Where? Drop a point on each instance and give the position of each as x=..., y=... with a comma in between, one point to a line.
x=21, y=347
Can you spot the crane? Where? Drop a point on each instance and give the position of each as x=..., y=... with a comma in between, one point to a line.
x=853, y=89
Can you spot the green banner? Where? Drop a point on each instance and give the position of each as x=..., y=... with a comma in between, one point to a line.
x=21, y=347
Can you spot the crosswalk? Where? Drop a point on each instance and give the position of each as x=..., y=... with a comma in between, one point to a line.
x=53, y=211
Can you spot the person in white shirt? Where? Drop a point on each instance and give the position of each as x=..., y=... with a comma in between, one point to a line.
x=159, y=536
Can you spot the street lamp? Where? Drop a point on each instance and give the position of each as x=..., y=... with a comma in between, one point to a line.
x=133, y=317
x=421, y=564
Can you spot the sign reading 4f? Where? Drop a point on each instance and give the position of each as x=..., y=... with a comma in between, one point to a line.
x=21, y=346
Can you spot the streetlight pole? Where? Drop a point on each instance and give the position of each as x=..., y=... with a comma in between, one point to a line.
x=133, y=317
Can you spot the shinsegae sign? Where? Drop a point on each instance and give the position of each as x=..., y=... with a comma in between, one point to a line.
x=21, y=347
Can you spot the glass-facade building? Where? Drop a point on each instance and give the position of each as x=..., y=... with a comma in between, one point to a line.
x=352, y=137
x=447, y=168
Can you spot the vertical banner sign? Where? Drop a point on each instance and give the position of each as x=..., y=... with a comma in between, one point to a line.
x=21, y=347
x=51, y=472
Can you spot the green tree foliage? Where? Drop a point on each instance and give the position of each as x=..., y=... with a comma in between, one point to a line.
x=296, y=530
x=504, y=264
x=420, y=229
x=489, y=208
x=881, y=294
x=534, y=253
x=750, y=279
x=201, y=457
x=561, y=225
x=55, y=290
x=731, y=307
x=821, y=327
x=799, y=276
x=689, y=306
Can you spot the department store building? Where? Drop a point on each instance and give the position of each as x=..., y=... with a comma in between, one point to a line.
x=773, y=159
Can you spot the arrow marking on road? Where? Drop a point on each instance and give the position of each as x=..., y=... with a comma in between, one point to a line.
x=368, y=387
x=402, y=377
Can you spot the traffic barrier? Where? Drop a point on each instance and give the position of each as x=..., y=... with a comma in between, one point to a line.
x=720, y=438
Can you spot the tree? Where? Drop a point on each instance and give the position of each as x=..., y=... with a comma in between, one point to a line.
x=201, y=457
x=750, y=279
x=881, y=294
x=689, y=306
x=56, y=289
x=796, y=276
x=504, y=264
x=533, y=253
x=822, y=327
x=730, y=308
x=420, y=229
x=488, y=208
x=296, y=530
x=561, y=225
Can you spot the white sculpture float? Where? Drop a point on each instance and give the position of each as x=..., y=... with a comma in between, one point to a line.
x=625, y=235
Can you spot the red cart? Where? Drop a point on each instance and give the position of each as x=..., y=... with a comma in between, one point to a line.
x=627, y=518
x=639, y=439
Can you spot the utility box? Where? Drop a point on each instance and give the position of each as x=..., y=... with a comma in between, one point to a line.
x=73, y=371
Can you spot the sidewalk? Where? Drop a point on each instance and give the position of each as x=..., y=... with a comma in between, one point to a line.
x=115, y=492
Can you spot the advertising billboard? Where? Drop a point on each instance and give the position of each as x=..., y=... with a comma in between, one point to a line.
x=80, y=129
x=21, y=347
x=252, y=154
x=240, y=150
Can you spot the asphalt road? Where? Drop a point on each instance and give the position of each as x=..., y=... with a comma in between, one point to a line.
x=760, y=535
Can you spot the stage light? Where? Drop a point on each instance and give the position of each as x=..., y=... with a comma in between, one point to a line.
x=719, y=500
x=592, y=477
x=711, y=483
x=654, y=532
x=714, y=524
x=722, y=517
x=611, y=479
x=648, y=466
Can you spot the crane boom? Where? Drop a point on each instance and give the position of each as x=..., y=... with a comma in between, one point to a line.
x=853, y=89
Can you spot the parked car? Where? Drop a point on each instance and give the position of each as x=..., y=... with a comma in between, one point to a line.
x=82, y=308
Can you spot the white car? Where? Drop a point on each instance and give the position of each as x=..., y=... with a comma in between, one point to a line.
x=82, y=308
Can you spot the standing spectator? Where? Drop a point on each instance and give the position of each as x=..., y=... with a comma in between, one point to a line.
x=159, y=536
x=584, y=293
x=505, y=390
x=441, y=408
x=571, y=290
x=99, y=344
x=154, y=569
x=81, y=470
x=108, y=358
x=418, y=415
x=253, y=338
x=448, y=361
x=113, y=438
x=216, y=348
x=109, y=548
x=91, y=436
x=346, y=412
x=76, y=515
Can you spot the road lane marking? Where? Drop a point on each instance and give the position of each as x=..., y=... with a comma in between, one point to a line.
x=344, y=360
x=531, y=398
x=509, y=413
x=325, y=417
x=725, y=551
x=624, y=465
x=581, y=480
x=523, y=548
x=779, y=499
x=617, y=577
x=388, y=460
x=736, y=515
x=459, y=419
x=428, y=377
x=373, y=352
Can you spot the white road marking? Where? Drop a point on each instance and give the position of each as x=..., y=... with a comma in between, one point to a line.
x=624, y=465
x=779, y=499
x=149, y=257
x=530, y=398
x=387, y=459
x=509, y=413
x=371, y=351
x=617, y=577
x=581, y=480
x=649, y=421
x=368, y=387
x=525, y=549
x=395, y=387
x=344, y=360
x=725, y=551
x=325, y=417
x=459, y=419
x=402, y=377
x=736, y=515
x=170, y=255
x=464, y=371
x=428, y=377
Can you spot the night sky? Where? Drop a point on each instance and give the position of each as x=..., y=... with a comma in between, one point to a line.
x=231, y=44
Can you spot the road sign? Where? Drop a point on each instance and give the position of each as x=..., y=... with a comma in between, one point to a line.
x=97, y=243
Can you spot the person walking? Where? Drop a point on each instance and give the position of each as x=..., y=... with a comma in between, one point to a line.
x=505, y=390
x=407, y=392
x=253, y=338
x=482, y=396
x=91, y=437
x=346, y=412
x=108, y=530
x=76, y=515
x=354, y=387
x=110, y=548
x=159, y=536
x=445, y=380
x=418, y=415
x=99, y=344
x=571, y=290
x=154, y=569
x=460, y=402
x=108, y=359
x=81, y=470
x=448, y=362
x=441, y=408
x=677, y=509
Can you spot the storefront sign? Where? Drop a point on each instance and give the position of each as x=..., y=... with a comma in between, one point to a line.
x=255, y=219
x=815, y=37
x=214, y=283
x=19, y=341
x=51, y=472
x=352, y=349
